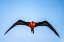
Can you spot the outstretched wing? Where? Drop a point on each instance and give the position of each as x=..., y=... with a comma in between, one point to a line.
x=45, y=23
x=19, y=22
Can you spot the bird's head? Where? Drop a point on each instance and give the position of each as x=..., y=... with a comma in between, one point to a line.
x=32, y=22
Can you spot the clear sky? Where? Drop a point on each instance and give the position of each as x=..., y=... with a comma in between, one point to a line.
x=31, y=10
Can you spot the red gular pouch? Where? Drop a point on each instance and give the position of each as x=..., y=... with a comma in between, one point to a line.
x=32, y=25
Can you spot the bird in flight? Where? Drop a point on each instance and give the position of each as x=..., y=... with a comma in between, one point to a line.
x=32, y=25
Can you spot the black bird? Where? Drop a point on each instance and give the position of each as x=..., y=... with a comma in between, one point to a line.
x=32, y=25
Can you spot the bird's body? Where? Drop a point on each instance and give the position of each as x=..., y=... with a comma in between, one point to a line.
x=32, y=25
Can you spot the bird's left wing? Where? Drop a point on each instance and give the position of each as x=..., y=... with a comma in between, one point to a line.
x=45, y=23
x=19, y=22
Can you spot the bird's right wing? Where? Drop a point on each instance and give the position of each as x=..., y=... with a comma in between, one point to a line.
x=45, y=23
x=19, y=22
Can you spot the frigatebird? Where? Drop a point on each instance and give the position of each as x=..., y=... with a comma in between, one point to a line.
x=32, y=25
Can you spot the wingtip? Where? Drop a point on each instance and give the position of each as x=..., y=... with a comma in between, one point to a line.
x=59, y=36
x=4, y=34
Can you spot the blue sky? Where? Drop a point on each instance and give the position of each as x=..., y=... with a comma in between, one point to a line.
x=31, y=10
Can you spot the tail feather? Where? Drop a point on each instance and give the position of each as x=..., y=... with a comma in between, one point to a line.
x=32, y=30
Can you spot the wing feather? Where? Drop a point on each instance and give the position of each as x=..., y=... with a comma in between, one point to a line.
x=19, y=22
x=45, y=23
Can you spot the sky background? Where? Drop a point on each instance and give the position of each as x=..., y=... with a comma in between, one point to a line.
x=31, y=10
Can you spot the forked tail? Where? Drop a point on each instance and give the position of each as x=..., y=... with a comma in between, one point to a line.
x=32, y=30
